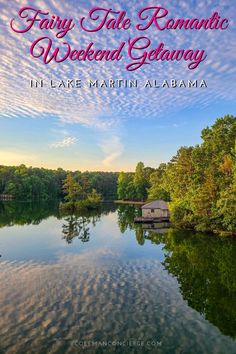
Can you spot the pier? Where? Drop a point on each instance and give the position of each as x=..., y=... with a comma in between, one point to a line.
x=150, y=220
x=6, y=197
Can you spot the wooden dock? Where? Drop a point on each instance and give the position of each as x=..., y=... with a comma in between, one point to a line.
x=6, y=197
x=129, y=202
x=142, y=220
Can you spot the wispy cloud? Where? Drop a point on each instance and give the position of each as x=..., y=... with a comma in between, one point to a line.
x=105, y=109
x=89, y=106
x=66, y=142
x=113, y=149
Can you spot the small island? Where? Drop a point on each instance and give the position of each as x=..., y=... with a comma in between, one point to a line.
x=78, y=196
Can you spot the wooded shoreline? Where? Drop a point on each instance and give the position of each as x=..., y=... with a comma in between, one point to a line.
x=199, y=183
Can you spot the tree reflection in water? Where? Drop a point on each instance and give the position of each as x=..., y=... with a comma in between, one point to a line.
x=126, y=215
x=77, y=227
x=203, y=264
x=26, y=213
x=205, y=267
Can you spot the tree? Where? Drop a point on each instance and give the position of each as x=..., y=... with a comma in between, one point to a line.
x=157, y=190
x=200, y=181
x=27, y=183
x=94, y=197
x=226, y=204
x=72, y=189
x=140, y=182
x=125, y=186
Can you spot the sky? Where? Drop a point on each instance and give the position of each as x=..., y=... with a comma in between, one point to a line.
x=110, y=129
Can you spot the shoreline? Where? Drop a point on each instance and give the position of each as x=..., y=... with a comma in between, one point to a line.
x=131, y=202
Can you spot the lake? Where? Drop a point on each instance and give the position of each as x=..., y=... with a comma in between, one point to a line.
x=97, y=283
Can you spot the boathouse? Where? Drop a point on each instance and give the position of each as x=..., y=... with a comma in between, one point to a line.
x=155, y=210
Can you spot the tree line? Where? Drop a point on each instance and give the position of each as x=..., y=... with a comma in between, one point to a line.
x=198, y=182
x=29, y=184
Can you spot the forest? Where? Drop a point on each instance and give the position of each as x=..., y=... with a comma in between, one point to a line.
x=198, y=182
x=32, y=184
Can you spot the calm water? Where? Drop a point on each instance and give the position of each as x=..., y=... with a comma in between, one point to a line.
x=96, y=283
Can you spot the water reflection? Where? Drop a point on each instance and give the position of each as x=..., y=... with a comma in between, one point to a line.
x=203, y=265
x=16, y=213
x=126, y=215
x=125, y=219
x=78, y=227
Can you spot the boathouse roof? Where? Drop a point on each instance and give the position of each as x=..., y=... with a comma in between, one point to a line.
x=157, y=204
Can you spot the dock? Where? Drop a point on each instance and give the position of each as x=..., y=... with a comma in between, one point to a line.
x=129, y=202
x=150, y=220
x=6, y=197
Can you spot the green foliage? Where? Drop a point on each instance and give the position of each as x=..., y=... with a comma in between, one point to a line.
x=72, y=189
x=200, y=181
x=157, y=189
x=181, y=213
x=134, y=186
x=94, y=197
x=105, y=183
x=78, y=196
x=67, y=206
x=140, y=182
x=28, y=184
x=226, y=208
x=31, y=183
x=125, y=188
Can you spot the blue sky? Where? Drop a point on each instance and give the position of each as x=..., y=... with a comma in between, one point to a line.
x=104, y=128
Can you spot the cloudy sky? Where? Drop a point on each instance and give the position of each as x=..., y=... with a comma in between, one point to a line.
x=110, y=128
